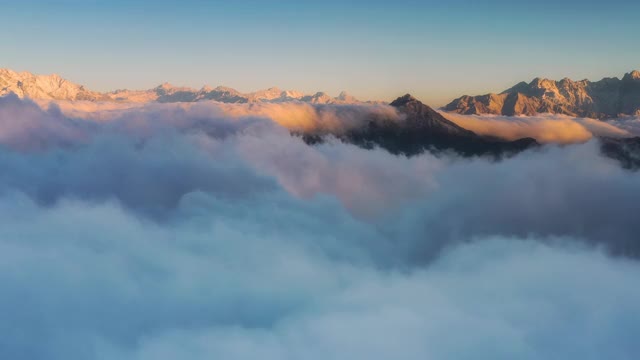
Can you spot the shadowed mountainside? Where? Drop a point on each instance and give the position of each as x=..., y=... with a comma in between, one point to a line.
x=424, y=129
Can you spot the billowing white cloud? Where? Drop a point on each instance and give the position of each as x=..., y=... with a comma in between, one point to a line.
x=204, y=231
x=250, y=280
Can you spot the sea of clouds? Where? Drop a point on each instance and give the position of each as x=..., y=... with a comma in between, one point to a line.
x=208, y=231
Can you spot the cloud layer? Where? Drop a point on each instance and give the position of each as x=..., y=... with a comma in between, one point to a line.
x=205, y=231
x=546, y=128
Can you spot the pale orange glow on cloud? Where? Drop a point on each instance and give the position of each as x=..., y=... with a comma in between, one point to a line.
x=546, y=128
x=294, y=116
x=309, y=118
x=303, y=117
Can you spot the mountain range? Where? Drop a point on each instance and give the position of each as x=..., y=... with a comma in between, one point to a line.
x=604, y=99
x=421, y=128
x=53, y=87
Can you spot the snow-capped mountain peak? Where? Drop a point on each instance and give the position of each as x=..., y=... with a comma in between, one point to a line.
x=54, y=87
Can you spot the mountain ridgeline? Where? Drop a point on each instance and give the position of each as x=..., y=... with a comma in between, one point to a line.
x=607, y=98
x=604, y=99
x=420, y=129
x=53, y=87
x=423, y=129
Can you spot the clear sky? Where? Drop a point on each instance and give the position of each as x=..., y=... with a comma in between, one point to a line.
x=436, y=50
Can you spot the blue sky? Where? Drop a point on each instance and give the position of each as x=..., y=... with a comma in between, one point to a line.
x=436, y=50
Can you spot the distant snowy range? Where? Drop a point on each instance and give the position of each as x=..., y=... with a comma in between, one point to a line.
x=176, y=223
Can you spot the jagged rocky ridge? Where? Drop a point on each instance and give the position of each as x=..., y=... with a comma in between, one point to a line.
x=53, y=87
x=607, y=98
x=423, y=129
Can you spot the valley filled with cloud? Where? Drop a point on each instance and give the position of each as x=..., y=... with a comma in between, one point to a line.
x=208, y=230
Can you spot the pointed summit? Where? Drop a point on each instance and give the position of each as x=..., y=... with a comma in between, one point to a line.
x=225, y=89
x=345, y=97
x=421, y=118
x=634, y=75
x=536, y=81
x=419, y=128
x=318, y=98
x=404, y=100
x=50, y=87
x=165, y=86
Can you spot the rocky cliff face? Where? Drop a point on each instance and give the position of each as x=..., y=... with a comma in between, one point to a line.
x=607, y=98
x=53, y=87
